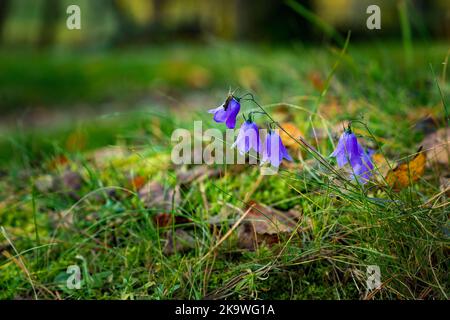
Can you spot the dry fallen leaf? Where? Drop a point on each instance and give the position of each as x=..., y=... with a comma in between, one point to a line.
x=225, y=216
x=408, y=172
x=425, y=119
x=163, y=220
x=187, y=176
x=437, y=147
x=293, y=130
x=180, y=241
x=445, y=184
x=427, y=124
x=154, y=195
x=202, y=172
x=381, y=163
x=265, y=224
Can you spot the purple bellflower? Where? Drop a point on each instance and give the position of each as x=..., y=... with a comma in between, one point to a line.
x=363, y=170
x=227, y=112
x=248, y=137
x=349, y=150
x=273, y=150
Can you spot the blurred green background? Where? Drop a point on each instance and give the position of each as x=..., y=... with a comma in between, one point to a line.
x=127, y=47
x=184, y=54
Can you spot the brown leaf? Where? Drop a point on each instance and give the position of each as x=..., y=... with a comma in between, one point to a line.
x=180, y=241
x=163, y=220
x=381, y=163
x=437, y=147
x=265, y=224
x=198, y=172
x=445, y=184
x=249, y=240
x=427, y=124
x=223, y=217
x=406, y=173
x=425, y=119
x=154, y=195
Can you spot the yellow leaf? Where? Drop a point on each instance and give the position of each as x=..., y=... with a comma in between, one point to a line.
x=406, y=173
x=292, y=129
x=381, y=163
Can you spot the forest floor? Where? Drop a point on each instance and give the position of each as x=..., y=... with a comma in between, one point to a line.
x=87, y=180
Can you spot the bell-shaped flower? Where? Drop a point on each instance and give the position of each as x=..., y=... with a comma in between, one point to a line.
x=227, y=112
x=348, y=149
x=273, y=150
x=248, y=138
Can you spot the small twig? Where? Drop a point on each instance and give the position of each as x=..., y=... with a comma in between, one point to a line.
x=226, y=235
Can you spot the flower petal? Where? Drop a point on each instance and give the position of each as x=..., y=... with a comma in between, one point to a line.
x=284, y=152
x=363, y=169
x=221, y=115
x=232, y=111
x=248, y=138
x=274, y=150
x=215, y=109
x=351, y=146
x=339, y=153
x=341, y=159
x=242, y=140
x=254, y=136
